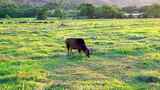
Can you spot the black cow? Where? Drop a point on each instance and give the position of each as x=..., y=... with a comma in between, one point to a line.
x=77, y=43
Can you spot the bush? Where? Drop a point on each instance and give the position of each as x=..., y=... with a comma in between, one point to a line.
x=15, y=10
x=59, y=13
x=7, y=17
x=86, y=10
x=42, y=14
x=105, y=11
x=108, y=12
x=152, y=11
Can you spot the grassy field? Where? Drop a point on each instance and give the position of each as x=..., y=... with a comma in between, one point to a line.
x=126, y=55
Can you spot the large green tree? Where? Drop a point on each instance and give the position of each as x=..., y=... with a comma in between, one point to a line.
x=42, y=14
x=152, y=11
x=87, y=10
x=15, y=10
x=107, y=11
x=59, y=13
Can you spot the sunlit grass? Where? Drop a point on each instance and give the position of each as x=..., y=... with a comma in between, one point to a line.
x=126, y=55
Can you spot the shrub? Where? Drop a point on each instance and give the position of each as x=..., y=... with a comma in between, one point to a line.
x=59, y=13
x=86, y=10
x=42, y=14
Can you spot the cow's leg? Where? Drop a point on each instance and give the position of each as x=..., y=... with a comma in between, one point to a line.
x=68, y=51
x=79, y=50
x=71, y=51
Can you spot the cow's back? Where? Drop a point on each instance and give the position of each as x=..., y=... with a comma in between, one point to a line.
x=75, y=43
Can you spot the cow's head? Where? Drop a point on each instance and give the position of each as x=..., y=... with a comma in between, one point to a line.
x=87, y=52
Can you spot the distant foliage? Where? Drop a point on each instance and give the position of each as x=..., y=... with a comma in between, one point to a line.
x=7, y=17
x=130, y=9
x=15, y=10
x=42, y=14
x=63, y=8
x=86, y=10
x=59, y=13
x=152, y=11
x=106, y=11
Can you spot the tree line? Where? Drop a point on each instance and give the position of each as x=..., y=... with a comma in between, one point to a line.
x=81, y=11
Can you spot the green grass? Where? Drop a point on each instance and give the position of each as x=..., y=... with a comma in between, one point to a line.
x=126, y=55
